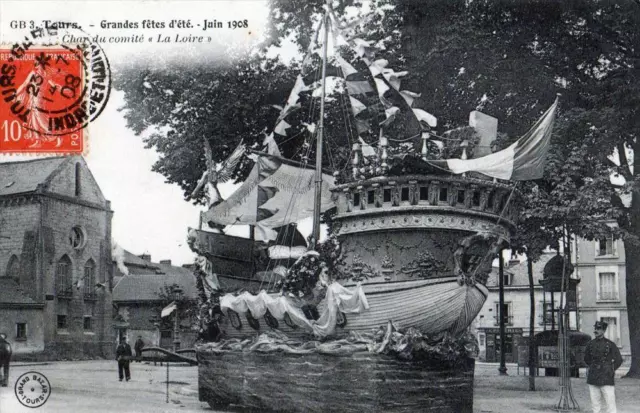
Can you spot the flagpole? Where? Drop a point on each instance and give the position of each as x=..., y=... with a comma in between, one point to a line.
x=315, y=235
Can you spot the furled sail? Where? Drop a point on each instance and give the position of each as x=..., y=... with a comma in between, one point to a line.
x=276, y=193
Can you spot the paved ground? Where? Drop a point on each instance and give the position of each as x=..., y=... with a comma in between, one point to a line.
x=509, y=394
x=92, y=386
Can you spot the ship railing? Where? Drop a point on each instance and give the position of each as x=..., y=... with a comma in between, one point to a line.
x=459, y=193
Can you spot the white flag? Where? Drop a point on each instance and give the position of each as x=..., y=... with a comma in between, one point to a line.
x=168, y=309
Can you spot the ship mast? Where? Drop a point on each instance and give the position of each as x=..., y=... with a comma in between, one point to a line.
x=315, y=235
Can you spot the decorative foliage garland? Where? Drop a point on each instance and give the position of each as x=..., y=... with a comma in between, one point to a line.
x=412, y=344
x=303, y=276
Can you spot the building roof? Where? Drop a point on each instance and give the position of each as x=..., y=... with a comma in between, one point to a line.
x=25, y=176
x=146, y=287
x=12, y=293
x=131, y=259
x=520, y=273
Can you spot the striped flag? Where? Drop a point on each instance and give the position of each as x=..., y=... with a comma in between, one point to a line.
x=523, y=160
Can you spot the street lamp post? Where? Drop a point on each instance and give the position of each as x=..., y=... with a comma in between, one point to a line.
x=503, y=367
x=177, y=292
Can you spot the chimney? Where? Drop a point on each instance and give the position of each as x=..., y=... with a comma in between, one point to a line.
x=487, y=129
x=146, y=257
x=167, y=262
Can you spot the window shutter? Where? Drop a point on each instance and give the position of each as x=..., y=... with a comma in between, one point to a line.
x=614, y=245
x=597, y=242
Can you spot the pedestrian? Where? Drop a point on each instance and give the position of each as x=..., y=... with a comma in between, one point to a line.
x=5, y=359
x=123, y=355
x=138, y=346
x=603, y=358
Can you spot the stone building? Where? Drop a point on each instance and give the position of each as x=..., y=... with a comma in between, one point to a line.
x=516, y=309
x=138, y=302
x=602, y=294
x=55, y=259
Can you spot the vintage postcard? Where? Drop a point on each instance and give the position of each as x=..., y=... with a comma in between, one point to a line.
x=319, y=206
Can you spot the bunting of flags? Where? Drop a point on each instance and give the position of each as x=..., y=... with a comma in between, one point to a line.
x=376, y=96
x=387, y=80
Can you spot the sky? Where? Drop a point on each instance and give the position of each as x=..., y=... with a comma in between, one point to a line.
x=150, y=216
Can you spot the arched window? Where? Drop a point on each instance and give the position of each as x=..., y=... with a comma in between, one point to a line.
x=78, y=186
x=13, y=268
x=89, y=279
x=63, y=278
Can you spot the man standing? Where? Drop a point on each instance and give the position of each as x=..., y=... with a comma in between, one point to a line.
x=138, y=346
x=603, y=358
x=5, y=359
x=123, y=355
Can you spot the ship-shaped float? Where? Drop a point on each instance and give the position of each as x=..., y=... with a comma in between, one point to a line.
x=412, y=235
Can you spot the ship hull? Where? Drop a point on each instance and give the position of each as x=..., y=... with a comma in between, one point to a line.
x=430, y=305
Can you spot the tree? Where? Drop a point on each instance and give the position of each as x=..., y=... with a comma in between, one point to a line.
x=508, y=58
x=182, y=105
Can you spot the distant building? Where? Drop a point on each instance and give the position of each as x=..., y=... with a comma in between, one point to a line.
x=602, y=294
x=55, y=259
x=137, y=299
x=516, y=309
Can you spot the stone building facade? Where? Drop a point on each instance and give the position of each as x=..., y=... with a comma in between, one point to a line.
x=602, y=294
x=138, y=302
x=517, y=309
x=55, y=259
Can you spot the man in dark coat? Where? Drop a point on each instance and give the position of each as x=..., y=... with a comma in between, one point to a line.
x=5, y=359
x=138, y=346
x=603, y=358
x=123, y=355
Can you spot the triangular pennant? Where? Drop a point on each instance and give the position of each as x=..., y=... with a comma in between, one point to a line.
x=409, y=97
x=424, y=116
x=381, y=86
x=394, y=77
x=271, y=145
x=281, y=128
x=298, y=87
x=347, y=69
x=356, y=106
x=362, y=126
x=361, y=87
x=378, y=66
x=391, y=114
x=367, y=150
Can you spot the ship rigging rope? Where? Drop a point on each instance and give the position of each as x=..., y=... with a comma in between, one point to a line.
x=345, y=105
x=305, y=161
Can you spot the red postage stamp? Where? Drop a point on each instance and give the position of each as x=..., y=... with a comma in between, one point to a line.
x=44, y=100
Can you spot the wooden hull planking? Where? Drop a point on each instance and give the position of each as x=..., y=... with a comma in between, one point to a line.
x=430, y=305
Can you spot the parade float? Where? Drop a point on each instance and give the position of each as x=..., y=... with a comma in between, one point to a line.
x=375, y=317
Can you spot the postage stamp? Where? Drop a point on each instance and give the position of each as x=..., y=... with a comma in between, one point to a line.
x=50, y=94
x=43, y=106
